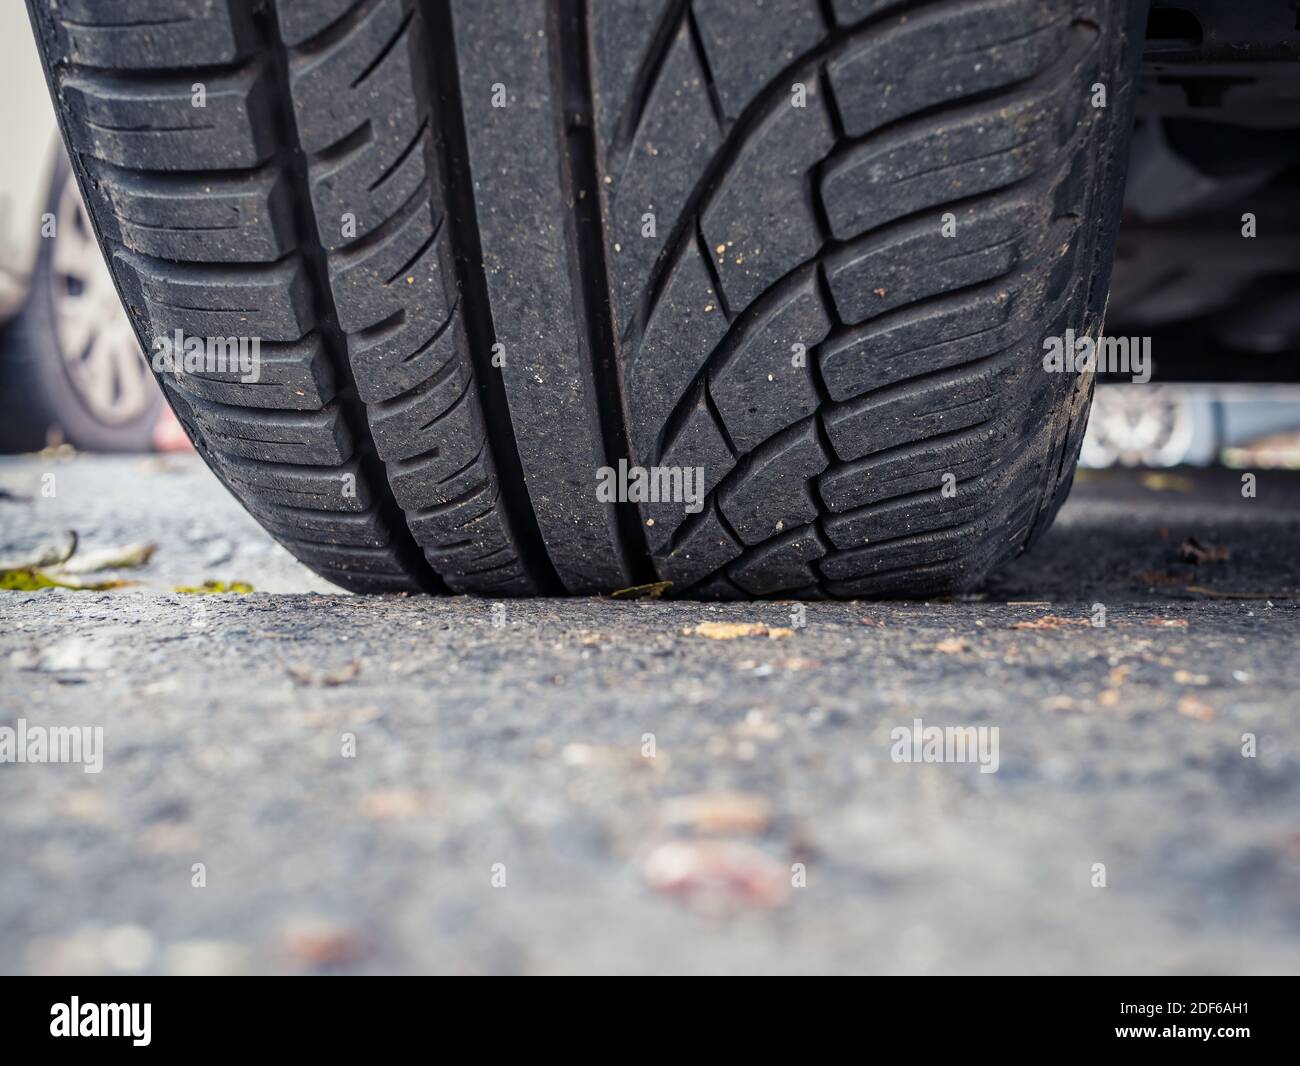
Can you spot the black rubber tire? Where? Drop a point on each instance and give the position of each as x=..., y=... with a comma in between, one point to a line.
x=39, y=405
x=506, y=319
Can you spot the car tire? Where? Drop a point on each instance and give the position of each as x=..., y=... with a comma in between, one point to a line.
x=501, y=255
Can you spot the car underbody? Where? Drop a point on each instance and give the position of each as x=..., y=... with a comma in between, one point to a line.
x=1208, y=262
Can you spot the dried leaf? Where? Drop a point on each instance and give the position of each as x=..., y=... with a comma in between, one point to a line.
x=717, y=875
x=56, y=447
x=1226, y=594
x=1158, y=481
x=394, y=804
x=25, y=579
x=46, y=555
x=796, y=663
x=1193, y=551
x=320, y=942
x=651, y=591
x=126, y=557
x=733, y=630
x=1160, y=577
x=1050, y=621
x=211, y=587
x=1197, y=708
x=326, y=679
x=718, y=812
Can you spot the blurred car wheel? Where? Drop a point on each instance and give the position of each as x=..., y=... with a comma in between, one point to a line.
x=1149, y=425
x=70, y=367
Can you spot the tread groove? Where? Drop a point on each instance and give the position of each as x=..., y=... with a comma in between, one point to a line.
x=586, y=253
x=463, y=226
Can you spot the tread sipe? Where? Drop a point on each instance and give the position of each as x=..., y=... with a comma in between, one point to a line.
x=810, y=248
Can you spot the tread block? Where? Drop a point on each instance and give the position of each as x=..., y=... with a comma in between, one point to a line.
x=769, y=493
x=405, y=427
x=930, y=256
x=463, y=525
x=271, y=302
x=848, y=12
x=908, y=515
x=942, y=56
x=299, y=23
x=698, y=445
x=759, y=224
x=941, y=579
x=913, y=468
x=677, y=137
x=976, y=150
x=917, y=410
x=718, y=587
x=757, y=379
x=687, y=324
x=622, y=35
x=702, y=547
x=451, y=462
x=749, y=42
x=315, y=488
x=364, y=528
x=362, y=116
x=909, y=551
x=154, y=125
x=781, y=564
x=311, y=438
x=392, y=302
x=935, y=335
x=156, y=34
x=383, y=370
x=228, y=218
x=292, y=377
x=353, y=559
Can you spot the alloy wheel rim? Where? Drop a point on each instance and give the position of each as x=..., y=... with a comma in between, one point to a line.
x=95, y=340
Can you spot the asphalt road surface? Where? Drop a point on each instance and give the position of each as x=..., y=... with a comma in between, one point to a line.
x=299, y=780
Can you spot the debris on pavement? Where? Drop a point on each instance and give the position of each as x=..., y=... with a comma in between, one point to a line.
x=1194, y=707
x=1193, y=551
x=326, y=679
x=734, y=630
x=1160, y=481
x=717, y=876
x=320, y=943
x=1050, y=621
x=718, y=812
x=127, y=557
x=47, y=555
x=213, y=587
x=653, y=591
